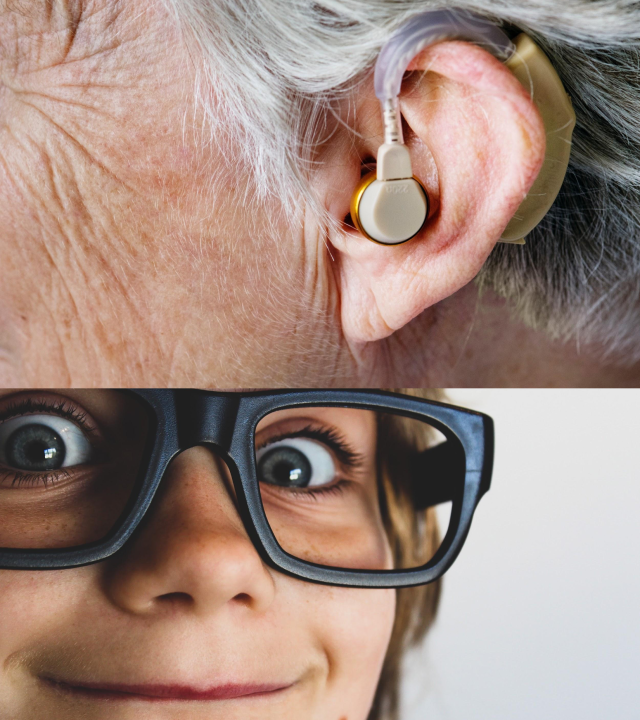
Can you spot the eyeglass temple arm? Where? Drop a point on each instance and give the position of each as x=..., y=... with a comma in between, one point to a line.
x=438, y=475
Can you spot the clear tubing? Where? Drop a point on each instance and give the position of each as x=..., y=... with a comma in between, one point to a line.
x=413, y=37
x=392, y=123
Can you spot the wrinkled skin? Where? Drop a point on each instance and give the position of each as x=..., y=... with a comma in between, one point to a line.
x=128, y=257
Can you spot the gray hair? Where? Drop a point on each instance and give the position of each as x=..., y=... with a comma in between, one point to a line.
x=276, y=72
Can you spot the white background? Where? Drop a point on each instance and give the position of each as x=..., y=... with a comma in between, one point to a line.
x=540, y=614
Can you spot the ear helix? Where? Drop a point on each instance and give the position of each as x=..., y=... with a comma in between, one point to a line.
x=391, y=206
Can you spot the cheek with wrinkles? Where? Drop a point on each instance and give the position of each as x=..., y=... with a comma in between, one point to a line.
x=132, y=253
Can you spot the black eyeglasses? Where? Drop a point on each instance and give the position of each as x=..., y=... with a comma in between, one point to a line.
x=333, y=486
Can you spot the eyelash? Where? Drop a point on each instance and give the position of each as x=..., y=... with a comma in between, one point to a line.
x=62, y=408
x=336, y=489
x=30, y=479
x=335, y=442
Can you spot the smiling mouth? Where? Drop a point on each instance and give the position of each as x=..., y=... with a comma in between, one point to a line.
x=164, y=693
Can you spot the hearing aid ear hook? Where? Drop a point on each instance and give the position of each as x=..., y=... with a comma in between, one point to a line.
x=390, y=205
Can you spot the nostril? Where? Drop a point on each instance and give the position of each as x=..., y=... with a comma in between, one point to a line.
x=176, y=598
x=243, y=599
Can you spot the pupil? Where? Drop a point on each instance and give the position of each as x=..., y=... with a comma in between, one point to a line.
x=285, y=466
x=35, y=447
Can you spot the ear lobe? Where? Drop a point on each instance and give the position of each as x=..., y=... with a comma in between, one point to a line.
x=477, y=143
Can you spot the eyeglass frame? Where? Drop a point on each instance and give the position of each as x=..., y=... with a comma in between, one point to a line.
x=226, y=422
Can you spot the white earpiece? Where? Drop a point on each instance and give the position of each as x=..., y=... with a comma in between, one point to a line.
x=390, y=206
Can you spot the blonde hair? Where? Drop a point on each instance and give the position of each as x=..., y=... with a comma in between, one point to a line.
x=414, y=538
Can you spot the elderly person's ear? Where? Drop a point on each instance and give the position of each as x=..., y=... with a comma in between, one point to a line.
x=477, y=143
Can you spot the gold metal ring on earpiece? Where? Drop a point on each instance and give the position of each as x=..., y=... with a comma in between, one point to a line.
x=355, y=207
x=364, y=183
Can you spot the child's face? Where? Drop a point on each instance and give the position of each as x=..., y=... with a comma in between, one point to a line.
x=186, y=622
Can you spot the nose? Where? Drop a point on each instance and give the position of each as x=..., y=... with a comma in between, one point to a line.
x=192, y=549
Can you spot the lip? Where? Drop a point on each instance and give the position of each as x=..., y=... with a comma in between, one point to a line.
x=164, y=693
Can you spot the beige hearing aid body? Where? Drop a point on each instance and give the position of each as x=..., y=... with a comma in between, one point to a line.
x=538, y=76
x=390, y=206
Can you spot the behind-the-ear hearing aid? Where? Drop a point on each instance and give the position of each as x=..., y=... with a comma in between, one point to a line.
x=390, y=205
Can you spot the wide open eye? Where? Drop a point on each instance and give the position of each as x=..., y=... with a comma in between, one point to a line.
x=295, y=462
x=41, y=443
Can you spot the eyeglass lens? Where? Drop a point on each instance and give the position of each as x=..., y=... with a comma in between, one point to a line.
x=337, y=484
x=68, y=466
x=338, y=487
